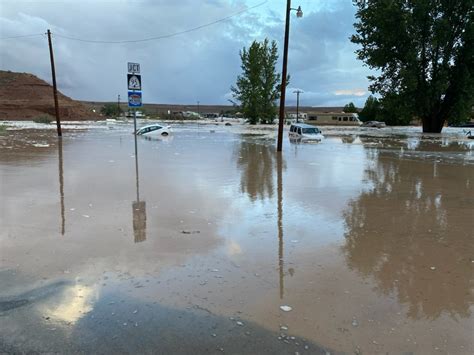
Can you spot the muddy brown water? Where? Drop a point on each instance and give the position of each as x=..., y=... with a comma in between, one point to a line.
x=195, y=245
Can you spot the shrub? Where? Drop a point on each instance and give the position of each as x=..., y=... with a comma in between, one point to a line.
x=46, y=119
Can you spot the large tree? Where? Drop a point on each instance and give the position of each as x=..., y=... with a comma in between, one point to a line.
x=424, y=53
x=371, y=110
x=257, y=88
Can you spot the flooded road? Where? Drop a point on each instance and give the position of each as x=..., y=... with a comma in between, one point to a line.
x=207, y=241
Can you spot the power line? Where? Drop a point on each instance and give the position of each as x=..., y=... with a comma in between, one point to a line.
x=167, y=35
x=23, y=36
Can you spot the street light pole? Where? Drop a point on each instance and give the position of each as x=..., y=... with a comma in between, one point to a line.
x=299, y=13
x=297, y=92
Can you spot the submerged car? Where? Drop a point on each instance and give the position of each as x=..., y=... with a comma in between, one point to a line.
x=375, y=124
x=154, y=130
x=305, y=132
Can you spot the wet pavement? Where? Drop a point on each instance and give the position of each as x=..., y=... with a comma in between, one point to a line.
x=207, y=241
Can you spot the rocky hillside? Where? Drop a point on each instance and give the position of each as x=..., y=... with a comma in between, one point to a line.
x=24, y=96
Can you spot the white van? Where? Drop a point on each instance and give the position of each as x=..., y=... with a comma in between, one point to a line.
x=305, y=132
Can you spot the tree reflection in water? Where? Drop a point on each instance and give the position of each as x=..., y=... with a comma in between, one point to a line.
x=412, y=232
x=258, y=164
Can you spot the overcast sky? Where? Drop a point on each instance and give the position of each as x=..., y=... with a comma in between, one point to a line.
x=196, y=66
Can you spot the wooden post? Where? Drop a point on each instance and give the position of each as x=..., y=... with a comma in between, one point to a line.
x=55, y=90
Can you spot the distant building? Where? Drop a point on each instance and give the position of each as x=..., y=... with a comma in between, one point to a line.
x=334, y=118
x=301, y=115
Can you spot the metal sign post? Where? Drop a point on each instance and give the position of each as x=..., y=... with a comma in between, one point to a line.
x=134, y=84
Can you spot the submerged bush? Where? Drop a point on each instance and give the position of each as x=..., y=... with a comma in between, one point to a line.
x=46, y=119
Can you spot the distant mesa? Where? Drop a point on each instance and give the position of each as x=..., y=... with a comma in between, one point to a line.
x=24, y=96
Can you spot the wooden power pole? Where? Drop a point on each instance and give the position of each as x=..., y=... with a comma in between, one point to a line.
x=55, y=89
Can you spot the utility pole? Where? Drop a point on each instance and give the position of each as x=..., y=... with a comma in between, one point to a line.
x=299, y=13
x=118, y=105
x=55, y=89
x=199, y=113
x=283, y=79
x=297, y=92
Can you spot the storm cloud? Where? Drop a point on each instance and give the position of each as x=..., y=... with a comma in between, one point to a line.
x=200, y=65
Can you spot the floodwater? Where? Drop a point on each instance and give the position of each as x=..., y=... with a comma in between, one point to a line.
x=195, y=243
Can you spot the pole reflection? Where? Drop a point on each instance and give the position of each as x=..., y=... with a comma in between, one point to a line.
x=61, y=184
x=138, y=207
x=280, y=222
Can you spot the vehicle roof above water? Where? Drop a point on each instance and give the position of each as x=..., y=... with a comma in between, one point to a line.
x=303, y=125
x=152, y=125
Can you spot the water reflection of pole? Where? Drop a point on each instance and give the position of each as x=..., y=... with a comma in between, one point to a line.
x=138, y=207
x=280, y=221
x=136, y=168
x=61, y=184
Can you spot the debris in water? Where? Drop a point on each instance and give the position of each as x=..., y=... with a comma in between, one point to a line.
x=355, y=323
x=86, y=216
x=295, y=241
x=135, y=311
x=240, y=323
x=40, y=145
x=283, y=327
x=433, y=267
x=214, y=335
x=190, y=232
x=285, y=308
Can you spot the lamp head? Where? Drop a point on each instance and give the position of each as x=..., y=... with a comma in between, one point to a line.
x=299, y=12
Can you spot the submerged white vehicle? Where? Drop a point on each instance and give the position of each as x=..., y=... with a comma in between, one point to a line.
x=305, y=132
x=154, y=130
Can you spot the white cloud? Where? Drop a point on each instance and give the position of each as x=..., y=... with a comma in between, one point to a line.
x=351, y=92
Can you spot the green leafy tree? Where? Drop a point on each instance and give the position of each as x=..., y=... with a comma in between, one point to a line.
x=257, y=88
x=424, y=52
x=110, y=109
x=350, y=108
x=371, y=110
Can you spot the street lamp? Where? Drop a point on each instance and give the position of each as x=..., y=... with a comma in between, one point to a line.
x=297, y=92
x=299, y=14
